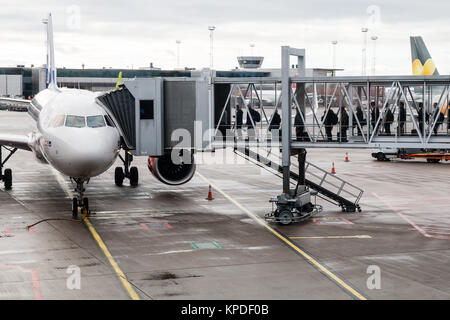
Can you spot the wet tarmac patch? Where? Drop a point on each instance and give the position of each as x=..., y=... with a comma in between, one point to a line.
x=92, y=264
x=204, y=245
x=168, y=276
x=155, y=225
x=331, y=220
x=5, y=235
x=15, y=230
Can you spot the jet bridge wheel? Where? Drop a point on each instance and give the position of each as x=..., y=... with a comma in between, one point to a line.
x=285, y=217
x=381, y=156
x=119, y=176
x=7, y=179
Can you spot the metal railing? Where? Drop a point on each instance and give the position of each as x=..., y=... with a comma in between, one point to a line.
x=324, y=179
x=402, y=112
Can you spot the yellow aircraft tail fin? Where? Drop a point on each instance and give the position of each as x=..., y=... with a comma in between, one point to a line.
x=119, y=81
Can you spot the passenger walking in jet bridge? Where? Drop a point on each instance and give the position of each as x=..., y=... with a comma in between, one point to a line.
x=360, y=117
x=250, y=121
x=374, y=115
x=276, y=120
x=329, y=120
x=239, y=115
x=401, y=118
x=440, y=118
x=299, y=127
x=275, y=124
x=422, y=114
x=389, y=119
x=344, y=125
x=448, y=119
x=253, y=117
x=224, y=124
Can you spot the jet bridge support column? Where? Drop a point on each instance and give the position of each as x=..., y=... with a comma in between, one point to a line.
x=291, y=205
x=286, y=125
x=301, y=184
x=286, y=119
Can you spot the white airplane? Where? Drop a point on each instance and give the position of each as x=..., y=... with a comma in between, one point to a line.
x=74, y=133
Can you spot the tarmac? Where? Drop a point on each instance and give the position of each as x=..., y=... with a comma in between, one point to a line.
x=162, y=242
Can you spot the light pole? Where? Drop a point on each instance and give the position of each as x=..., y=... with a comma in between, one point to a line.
x=374, y=38
x=211, y=38
x=334, y=43
x=178, y=42
x=364, y=52
x=211, y=64
x=252, y=46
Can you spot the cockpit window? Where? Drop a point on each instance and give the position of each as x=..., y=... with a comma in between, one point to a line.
x=75, y=121
x=95, y=121
x=57, y=121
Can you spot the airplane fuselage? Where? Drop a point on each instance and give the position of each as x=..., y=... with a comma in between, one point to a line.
x=73, y=134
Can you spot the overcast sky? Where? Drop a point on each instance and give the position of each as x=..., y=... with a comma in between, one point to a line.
x=113, y=33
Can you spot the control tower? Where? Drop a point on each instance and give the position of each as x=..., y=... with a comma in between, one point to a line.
x=250, y=62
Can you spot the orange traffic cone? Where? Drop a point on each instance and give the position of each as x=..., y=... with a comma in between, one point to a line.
x=210, y=197
x=333, y=171
x=346, y=157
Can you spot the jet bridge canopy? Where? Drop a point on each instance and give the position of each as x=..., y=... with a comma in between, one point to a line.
x=121, y=106
x=156, y=115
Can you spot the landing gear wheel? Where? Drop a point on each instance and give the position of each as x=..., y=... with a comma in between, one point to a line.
x=118, y=176
x=7, y=178
x=285, y=217
x=134, y=176
x=74, y=208
x=85, y=206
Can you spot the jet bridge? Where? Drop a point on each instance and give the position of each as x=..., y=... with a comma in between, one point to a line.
x=366, y=101
x=397, y=112
x=156, y=115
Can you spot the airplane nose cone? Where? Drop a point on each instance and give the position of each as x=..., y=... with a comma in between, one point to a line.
x=89, y=155
x=90, y=163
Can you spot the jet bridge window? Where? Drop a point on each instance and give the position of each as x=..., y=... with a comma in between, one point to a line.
x=75, y=121
x=109, y=122
x=95, y=121
x=146, y=107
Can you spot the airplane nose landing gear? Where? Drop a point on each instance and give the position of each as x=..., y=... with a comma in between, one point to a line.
x=80, y=202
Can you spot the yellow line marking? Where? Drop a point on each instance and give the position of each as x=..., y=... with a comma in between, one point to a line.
x=133, y=295
x=309, y=258
x=111, y=260
x=363, y=236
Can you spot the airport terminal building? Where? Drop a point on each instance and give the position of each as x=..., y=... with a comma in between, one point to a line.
x=25, y=82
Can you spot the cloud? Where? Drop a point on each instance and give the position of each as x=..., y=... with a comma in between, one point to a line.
x=119, y=34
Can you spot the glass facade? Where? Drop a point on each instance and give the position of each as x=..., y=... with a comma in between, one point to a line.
x=27, y=87
x=33, y=78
